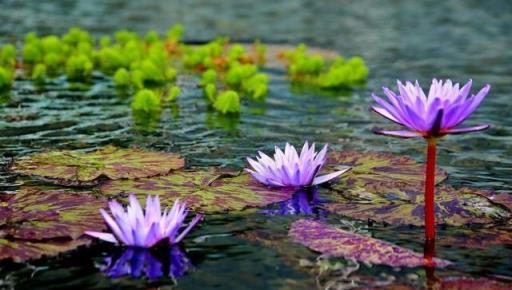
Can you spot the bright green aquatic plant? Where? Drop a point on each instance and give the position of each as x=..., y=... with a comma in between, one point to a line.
x=208, y=77
x=8, y=55
x=39, y=74
x=173, y=93
x=227, y=102
x=210, y=91
x=122, y=78
x=75, y=36
x=314, y=69
x=79, y=68
x=256, y=86
x=6, y=78
x=146, y=101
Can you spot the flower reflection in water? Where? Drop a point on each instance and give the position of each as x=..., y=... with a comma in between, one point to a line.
x=303, y=202
x=141, y=263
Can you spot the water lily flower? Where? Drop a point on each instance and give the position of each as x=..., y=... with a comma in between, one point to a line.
x=440, y=113
x=139, y=228
x=288, y=168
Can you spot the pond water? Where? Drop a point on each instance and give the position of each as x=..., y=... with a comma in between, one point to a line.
x=398, y=40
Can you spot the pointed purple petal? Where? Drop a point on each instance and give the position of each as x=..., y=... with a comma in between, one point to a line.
x=467, y=129
x=192, y=223
x=102, y=236
x=327, y=177
x=399, y=133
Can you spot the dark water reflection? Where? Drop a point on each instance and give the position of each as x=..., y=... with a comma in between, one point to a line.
x=456, y=39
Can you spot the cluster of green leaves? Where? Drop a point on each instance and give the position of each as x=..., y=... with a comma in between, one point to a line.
x=229, y=72
x=314, y=69
x=7, y=65
x=49, y=56
x=146, y=66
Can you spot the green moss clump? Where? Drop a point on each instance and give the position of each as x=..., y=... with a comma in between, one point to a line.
x=8, y=55
x=6, y=78
x=313, y=69
x=151, y=37
x=173, y=93
x=237, y=73
x=208, y=77
x=227, y=102
x=175, y=33
x=76, y=35
x=79, y=68
x=210, y=91
x=39, y=74
x=32, y=53
x=146, y=101
x=53, y=62
x=256, y=86
x=122, y=78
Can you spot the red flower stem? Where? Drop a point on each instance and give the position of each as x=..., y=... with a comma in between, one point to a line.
x=430, y=225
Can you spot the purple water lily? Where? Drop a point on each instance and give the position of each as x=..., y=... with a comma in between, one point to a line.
x=140, y=262
x=288, y=168
x=134, y=227
x=435, y=115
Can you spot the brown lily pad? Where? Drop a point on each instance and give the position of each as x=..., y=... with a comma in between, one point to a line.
x=370, y=167
x=23, y=250
x=332, y=241
x=207, y=190
x=454, y=283
x=35, y=223
x=400, y=204
x=78, y=168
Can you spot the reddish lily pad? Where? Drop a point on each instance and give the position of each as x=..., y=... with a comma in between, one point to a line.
x=378, y=202
x=77, y=168
x=370, y=167
x=208, y=190
x=332, y=241
x=23, y=250
x=35, y=215
x=34, y=223
x=482, y=238
x=454, y=283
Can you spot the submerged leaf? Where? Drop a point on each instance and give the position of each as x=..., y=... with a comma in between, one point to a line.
x=35, y=223
x=404, y=205
x=72, y=168
x=335, y=242
x=208, y=190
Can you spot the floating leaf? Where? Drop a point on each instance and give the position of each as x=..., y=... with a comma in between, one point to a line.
x=35, y=223
x=453, y=206
x=206, y=190
x=75, y=168
x=382, y=167
x=23, y=250
x=454, y=283
x=481, y=238
x=335, y=242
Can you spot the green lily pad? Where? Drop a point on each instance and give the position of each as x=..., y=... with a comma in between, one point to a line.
x=368, y=167
x=327, y=239
x=208, y=190
x=400, y=204
x=35, y=223
x=78, y=168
